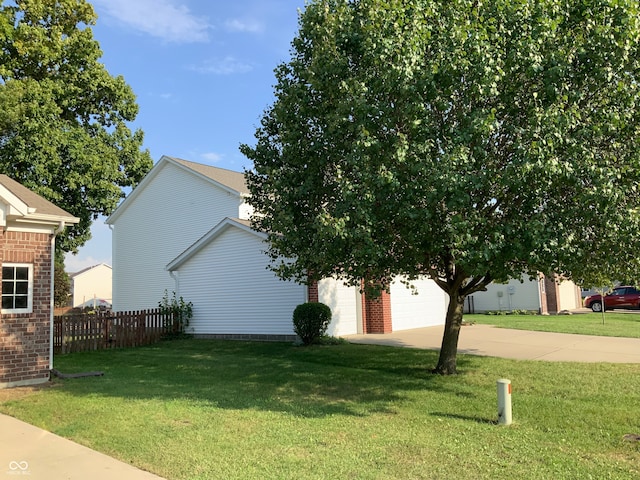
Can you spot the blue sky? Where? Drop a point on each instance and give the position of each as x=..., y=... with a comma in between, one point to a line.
x=202, y=71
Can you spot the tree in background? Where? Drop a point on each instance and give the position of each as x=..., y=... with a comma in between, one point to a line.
x=61, y=282
x=63, y=128
x=466, y=141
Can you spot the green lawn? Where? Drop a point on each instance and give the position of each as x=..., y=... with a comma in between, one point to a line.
x=615, y=325
x=192, y=409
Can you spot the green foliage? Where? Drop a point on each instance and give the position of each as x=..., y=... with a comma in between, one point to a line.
x=467, y=141
x=63, y=128
x=61, y=282
x=179, y=311
x=311, y=320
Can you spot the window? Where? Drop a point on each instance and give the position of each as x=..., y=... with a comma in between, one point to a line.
x=17, y=288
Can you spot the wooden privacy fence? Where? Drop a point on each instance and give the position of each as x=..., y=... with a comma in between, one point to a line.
x=81, y=333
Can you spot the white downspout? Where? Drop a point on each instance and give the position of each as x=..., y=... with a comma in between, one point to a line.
x=60, y=228
x=114, y=307
x=176, y=282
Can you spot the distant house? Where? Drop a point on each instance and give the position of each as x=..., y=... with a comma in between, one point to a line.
x=27, y=243
x=185, y=228
x=91, y=286
x=542, y=294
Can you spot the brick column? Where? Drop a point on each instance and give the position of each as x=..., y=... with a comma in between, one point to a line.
x=376, y=313
x=312, y=292
x=552, y=289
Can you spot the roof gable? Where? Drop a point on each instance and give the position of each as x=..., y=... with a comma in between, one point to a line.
x=22, y=204
x=228, y=180
x=209, y=237
x=87, y=269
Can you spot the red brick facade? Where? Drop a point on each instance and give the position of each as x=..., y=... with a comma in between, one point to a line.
x=312, y=292
x=25, y=338
x=551, y=287
x=376, y=313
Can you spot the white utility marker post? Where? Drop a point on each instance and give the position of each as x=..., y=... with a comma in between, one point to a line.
x=504, y=401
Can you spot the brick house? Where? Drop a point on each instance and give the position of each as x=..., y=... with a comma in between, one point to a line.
x=27, y=243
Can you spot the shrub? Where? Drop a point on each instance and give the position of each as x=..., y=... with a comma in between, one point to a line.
x=178, y=312
x=310, y=321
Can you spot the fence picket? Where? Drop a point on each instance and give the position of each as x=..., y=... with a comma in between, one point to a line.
x=86, y=332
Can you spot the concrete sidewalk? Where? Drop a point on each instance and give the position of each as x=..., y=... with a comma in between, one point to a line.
x=491, y=341
x=29, y=451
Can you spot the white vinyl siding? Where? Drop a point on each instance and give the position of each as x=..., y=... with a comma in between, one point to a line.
x=233, y=292
x=569, y=296
x=172, y=211
x=93, y=283
x=426, y=308
x=514, y=295
x=343, y=301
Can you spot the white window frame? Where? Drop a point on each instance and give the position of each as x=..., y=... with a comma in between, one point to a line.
x=29, y=308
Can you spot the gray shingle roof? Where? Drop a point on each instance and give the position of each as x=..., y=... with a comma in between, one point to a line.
x=228, y=178
x=41, y=205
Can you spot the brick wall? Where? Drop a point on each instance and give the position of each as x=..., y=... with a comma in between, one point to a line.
x=25, y=338
x=552, y=294
x=377, y=313
x=312, y=292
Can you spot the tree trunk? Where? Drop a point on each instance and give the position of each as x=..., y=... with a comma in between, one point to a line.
x=449, y=350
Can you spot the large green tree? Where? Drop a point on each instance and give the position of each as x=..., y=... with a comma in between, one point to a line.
x=466, y=141
x=63, y=128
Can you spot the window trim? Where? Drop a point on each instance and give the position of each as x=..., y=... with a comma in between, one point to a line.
x=29, y=308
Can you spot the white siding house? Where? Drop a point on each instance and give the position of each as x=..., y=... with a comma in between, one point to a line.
x=226, y=278
x=185, y=229
x=92, y=283
x=541, y=294
x=174, y=205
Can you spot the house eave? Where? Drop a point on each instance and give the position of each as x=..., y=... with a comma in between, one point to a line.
x=210, y=236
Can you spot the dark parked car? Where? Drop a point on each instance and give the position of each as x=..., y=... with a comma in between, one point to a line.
x=620, y=297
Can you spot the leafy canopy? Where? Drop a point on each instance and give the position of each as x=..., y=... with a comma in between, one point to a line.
x=468, y=141
x=63, y=129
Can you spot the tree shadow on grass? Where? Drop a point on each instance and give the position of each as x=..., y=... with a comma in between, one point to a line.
x=481, y=420
x=312, y=381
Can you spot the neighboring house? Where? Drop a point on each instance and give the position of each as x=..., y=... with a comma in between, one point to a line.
x=185, y=228
x=27, y=243
x=91, y=285
x=542, y=294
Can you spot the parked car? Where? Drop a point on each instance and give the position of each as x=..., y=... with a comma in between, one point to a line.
x=620, y=297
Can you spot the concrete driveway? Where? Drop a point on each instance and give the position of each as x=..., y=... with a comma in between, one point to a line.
x=491, y=341
x=30, y=452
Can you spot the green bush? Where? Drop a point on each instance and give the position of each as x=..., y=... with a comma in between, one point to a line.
x=177, y=313
x=311, y=320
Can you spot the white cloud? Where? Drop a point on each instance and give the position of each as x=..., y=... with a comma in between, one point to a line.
x=166, y=19
x=226, y=66
x=212, y=157
x=249, y=26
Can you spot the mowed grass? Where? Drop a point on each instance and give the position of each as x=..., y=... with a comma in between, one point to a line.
x=199, y=409
x=615, y=324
